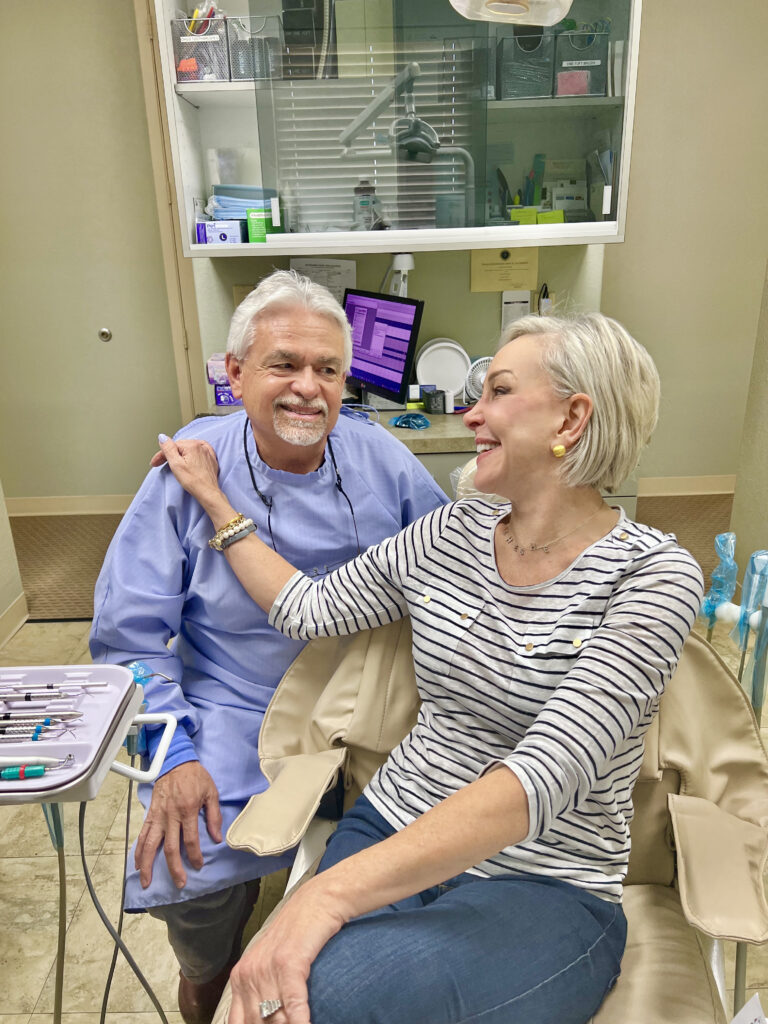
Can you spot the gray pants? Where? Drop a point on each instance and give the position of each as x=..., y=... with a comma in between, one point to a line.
x=203, y=931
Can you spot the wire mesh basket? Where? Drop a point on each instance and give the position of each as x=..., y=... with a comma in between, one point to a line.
x=255, y=48
x=200, y=49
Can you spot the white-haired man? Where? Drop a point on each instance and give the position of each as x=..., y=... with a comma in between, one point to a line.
x=319, y=487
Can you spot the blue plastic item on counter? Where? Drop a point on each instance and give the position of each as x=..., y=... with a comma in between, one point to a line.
x=752, y=594
x=723, y=577
x=410, y=420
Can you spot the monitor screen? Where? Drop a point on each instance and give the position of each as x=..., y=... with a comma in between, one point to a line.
x=384, y=333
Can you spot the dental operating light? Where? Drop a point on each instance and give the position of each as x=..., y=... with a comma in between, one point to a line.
x=516, y=12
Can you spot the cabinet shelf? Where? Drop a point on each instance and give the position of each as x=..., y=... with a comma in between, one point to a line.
x=340, y=242
x=553, y=107
x=241, y=94
x=220, y=94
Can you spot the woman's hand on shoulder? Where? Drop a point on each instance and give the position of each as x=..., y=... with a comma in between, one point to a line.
x=194, y=464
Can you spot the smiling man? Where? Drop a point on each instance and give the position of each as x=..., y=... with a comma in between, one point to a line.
x=319, y=487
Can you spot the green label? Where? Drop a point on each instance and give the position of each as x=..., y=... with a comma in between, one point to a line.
x=259, y=225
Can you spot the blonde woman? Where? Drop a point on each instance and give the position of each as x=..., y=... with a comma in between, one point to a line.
x=479, y=877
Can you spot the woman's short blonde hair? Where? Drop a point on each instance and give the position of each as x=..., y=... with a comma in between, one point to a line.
x=594, y=355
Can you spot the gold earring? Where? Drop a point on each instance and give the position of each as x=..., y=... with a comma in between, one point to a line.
x=558, y=450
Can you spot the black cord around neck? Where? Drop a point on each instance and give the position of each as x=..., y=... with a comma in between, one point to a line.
x=268, y=502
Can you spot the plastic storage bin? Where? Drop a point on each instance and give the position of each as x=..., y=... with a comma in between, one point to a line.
x=524, y=65
x=255, y=48
x=200, y=55
x=581, y=64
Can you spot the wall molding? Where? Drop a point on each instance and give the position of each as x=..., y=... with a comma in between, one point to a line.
x=13, y=618
x=70, y=505
x=671, y=486
x=117, y=504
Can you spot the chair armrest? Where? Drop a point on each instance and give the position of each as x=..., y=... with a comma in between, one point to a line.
x=720, y=863
x=275, y=821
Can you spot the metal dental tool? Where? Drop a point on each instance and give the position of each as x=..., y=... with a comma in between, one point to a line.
x=62, y=684
x=17, y=716
x=21, y=730
x=11, y=696
x=12, y=762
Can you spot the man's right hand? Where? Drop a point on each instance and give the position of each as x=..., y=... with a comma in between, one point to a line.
x=172, y=818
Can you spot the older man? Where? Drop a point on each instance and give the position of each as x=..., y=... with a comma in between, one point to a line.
x=319, y=487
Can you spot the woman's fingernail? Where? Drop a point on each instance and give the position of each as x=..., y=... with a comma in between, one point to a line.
x=162, y=438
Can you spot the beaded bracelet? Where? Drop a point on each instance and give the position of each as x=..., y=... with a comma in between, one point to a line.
x=235, y=529
x=248, y=527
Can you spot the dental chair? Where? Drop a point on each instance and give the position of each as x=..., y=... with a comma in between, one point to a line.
x=699, y=833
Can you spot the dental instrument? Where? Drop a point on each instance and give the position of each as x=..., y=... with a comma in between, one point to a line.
x=33, y=771
x=10, y=762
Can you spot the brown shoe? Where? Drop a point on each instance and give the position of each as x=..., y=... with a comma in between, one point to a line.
x=197, y=1003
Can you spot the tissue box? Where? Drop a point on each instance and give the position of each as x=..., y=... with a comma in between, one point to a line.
x=217, y=370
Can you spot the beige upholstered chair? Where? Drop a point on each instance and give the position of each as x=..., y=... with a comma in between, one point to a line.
x=699, y=834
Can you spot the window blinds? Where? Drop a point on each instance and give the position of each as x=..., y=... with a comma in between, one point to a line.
x=316, y=181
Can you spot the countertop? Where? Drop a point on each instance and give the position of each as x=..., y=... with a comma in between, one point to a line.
x=444, y=434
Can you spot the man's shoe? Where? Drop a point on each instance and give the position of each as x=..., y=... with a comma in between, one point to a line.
x=197, y=1003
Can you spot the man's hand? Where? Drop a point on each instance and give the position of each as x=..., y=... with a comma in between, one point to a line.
x=173, y=814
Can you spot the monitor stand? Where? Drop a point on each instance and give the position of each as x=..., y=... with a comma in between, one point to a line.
x=367, y=398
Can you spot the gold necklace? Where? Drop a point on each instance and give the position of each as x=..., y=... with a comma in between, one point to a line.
x=521, y=549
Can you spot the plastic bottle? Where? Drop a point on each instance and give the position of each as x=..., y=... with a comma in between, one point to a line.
x=365, y=205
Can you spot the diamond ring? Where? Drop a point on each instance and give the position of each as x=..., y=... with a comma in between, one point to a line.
x=269, y=1006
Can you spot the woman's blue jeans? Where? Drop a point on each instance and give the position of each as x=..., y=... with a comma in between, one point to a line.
x=507, y=950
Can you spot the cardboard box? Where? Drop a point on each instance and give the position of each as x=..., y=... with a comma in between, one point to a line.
x=222, y=232
x=522, y=214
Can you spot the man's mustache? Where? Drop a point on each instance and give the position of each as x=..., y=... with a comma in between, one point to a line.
x=299, y=403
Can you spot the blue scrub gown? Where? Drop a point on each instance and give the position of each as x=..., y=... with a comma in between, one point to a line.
x=161, y=582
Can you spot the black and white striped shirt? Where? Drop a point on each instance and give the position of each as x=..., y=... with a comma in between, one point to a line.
x=559, y=681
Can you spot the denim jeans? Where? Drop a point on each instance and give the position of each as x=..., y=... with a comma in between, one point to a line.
x=506, y=950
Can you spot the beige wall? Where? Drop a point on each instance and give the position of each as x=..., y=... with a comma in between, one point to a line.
x=81, y=251
x=750, y=506
x=13, y=606
x=688, y=279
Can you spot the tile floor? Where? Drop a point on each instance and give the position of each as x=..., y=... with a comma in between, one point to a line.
x=29, y=884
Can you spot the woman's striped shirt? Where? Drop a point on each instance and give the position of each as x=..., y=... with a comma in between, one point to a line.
x=558, y=681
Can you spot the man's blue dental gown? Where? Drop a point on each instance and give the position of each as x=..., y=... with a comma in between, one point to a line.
x=161, y=580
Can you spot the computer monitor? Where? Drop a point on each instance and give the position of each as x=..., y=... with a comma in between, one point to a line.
x=384, y=333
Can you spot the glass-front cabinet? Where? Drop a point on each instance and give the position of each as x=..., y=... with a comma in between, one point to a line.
x=328, y=126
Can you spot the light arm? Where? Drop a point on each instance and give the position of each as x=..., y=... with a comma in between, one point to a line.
x=260, y=570
x=465, y=829
x=400, y=83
